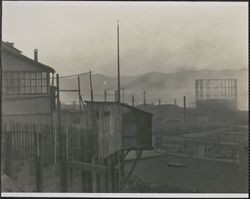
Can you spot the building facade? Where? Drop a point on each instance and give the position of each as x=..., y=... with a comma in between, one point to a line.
x=26, y=86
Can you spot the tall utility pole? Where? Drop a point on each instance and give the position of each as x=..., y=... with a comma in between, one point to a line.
x=118, y=64
x=57, y=93
x=184, y=108
x=91, y=88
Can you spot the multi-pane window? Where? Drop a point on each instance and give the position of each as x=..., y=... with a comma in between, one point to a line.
x=25, y=83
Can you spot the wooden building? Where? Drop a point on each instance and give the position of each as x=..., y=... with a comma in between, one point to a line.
x=121, y=127
x=117, y=129
x=89, y=145
x=27, y=83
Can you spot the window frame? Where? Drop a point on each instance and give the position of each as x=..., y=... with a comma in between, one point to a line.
x=25, y=82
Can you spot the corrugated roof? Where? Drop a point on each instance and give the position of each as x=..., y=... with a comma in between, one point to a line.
x=9, y=48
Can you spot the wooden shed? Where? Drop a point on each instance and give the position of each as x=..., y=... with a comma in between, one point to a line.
x=121, y=127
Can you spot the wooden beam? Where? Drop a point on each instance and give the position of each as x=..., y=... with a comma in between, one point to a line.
x=72, y=90
x=124, y=154
x=79, y=92
x=133, y=167
x=39, y=162
x=91, y=88
x=87, y=166
x=8, y=153
x=138, y=148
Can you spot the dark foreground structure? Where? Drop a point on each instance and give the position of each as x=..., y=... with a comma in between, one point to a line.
x=47, y=149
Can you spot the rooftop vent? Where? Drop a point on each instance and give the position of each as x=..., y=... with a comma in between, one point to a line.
x=10, y=44
x=36, y=55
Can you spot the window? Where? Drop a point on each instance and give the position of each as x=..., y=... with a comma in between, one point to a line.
x=25, y=83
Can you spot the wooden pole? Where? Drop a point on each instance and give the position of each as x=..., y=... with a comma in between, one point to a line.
x=159, y=101
x=1, y=85
x=133, y=167
x=79, y=92
x=64, y=170
x=61, y=140
x=144, y=98
x=105, y=95
x=196, y=93
x=39, y=160
x=106, y=188
x=85, y=157
x=184, y=108
x=236, y=100
x=175, y=102
x=52, y=79
x=133, y=100
x=91, y=88
x=122, y=95
x=48, y=83
x=115, y=95
x=58, y=91
x=8, y=153
x=118, y=64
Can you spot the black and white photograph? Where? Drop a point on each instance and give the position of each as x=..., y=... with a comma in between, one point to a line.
x=126, y=99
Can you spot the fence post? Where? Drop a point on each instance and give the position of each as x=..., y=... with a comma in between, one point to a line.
x=39, y=162
x=84, y=153
x=105, y=95
x=63, y=158
x=8, y=153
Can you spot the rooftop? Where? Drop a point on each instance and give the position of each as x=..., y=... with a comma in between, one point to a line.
x=126, y=105
x=8, y=47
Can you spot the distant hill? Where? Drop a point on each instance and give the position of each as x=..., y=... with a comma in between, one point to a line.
x=166, y=86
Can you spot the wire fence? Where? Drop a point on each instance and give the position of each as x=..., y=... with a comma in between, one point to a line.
x=105, y=90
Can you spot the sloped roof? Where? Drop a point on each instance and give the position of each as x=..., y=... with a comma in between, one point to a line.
x=125, y=105
x=9, y=48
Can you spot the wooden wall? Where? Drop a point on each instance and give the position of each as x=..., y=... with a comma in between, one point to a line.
x=14, y=63
x=107, y=123
x=136, y=129
x=26, y=105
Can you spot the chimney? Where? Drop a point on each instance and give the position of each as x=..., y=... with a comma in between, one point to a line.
x=36, y=55
x=10, y=44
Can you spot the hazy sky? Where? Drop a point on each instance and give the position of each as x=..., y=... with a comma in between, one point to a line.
x=74, y=37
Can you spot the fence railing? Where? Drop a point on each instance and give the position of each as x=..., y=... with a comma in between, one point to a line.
x=30, y=140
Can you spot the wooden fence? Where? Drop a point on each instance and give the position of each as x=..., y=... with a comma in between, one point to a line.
x=52, y=143
x=63, y=158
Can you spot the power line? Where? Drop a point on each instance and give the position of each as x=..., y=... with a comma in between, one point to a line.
x=69, y=76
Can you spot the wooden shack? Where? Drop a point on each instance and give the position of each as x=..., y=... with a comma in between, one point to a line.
x=136, y=128
x=116, y=130
x=121, y=127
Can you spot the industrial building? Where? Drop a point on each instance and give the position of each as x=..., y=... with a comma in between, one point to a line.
x=216, y=94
